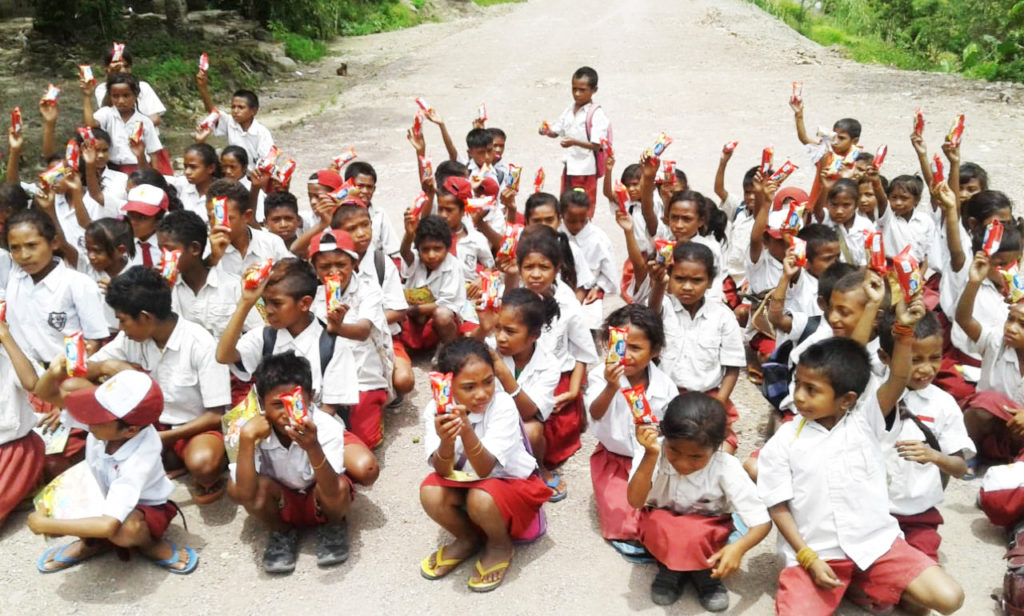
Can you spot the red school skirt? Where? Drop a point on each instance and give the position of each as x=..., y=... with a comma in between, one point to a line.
x=683, y=542
x=366, y=416
x=562, y=428
x=21, y=467
x=518, y=500
x=609, y=473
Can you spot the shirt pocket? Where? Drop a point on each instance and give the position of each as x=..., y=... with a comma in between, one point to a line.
x=706, y=351
x=859, y=463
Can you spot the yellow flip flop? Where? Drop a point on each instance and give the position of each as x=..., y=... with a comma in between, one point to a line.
x=439, y=561
x=482, y=573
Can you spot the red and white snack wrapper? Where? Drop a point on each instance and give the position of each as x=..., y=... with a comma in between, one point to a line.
x=663, y=250
x=481, y=112
x=283, y=172
x=421, y=202
x=295, y=406
x=993, y=237
x=799, y=248
x=794, y=217
x=16, y=120
x=56, y=173
x=255, y=276
x=441, y=388
x=767, y=155
x=332, y=293
x=515, y=172
x=220, y=212
x=622, y=197
x=50, y=96
x=851, y=157
x=607, y=147
x=85, y=73
x=880, y=157
x=730, y=146
x=538, y=180
x=423, y=104
x=71, y=153
x=662, y=142
x=475, y=205
x=545, y=128
x=490, y=290
x=74, y=354
x=85, y=132
x=137, y=132
x=268, y=163
x=426, y=167
x=204, y=63
x=956, y=132
x=668, y=171
x=169, y=265
x=876, y=252
x=345, y=158
x=117, y=54
x=1014, y=283
x=919, y=123
x=510, y=240
x=938, y=173
x=210, y=121
x=617, y=345
x=417, y=124
x=798, y=93
x=343, y=191
x=636, y=397
x=3, y=311
x=783, y=172
x=908, y=272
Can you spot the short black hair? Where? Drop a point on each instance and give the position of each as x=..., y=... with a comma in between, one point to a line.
x=496, y=133
x=696, y=253
x=855, y=280
x=972, y=171
x=926, y=328
x=536, y=200
x=449, y=169
x=360, y=167
x=632, y=172
x=110, y=233
x=640, y=317
x=849, y=126
x=585, y=72
x=573, y=197
x=233, y=191
x=983, y=205
x=296, y=277
x=692, y=196
x=280, y=199
x=913, y=184
x=696, y=417
x=140, y=289
x=184, y=227
x=479, y=138
x=536, y=310
x=237, y=151
x=282, y=370
x=828, y=279
x=844, y=362
x=250, y=98
x=345, y=212
x=433, y=227
x=13, y=197
x=748, y=178
x=817, y=236
x=454, y=356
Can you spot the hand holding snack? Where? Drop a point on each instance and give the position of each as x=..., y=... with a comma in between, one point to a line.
x=979, y=268
x=647, y=436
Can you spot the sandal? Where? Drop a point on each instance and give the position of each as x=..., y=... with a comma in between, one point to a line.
x=204, y=495
x=56, y=555
x=431, y=573
x=479, y=586
x=191, y=562
x=556, y=480
x=632, y=551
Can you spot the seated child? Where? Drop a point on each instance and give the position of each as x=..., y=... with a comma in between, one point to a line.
x=201, y=170
x=123, y=454
x=289, y=473
x=596, y=251
x=240, y=126
x=146, y=205
x=22, y=452
x=687, y=487
x=179, y=355
x=434, y=283
x=471, y=247
x=483, y=488
x=237, y=247
x=902, y=223
x=234, y=163
x=106, y=187
x=282, y=216
x=740, y=210
x=364, y=176
x=542, y=209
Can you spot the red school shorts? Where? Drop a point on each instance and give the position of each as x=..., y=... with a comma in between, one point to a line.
x=587, y=182
x=159, y=517
x=179, y=446
x=921, y=531
x=21, y=467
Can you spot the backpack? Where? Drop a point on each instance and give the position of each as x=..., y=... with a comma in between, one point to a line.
x=1012, y=601
x=378, y=264
x=600, y=156
x=326, y=345
x=776, y=372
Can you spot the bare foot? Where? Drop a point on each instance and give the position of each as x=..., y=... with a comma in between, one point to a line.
x=459, y=550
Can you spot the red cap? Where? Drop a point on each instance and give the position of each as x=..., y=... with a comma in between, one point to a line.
x=330, y=179
x=147, y=200
x=459, y=186
x=131, y=396
x=333, y=239
x=489, y=187
x=789, y=192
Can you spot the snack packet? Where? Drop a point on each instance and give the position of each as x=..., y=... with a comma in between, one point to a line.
x=880, y=156
x=794, y=217
x=441, y=387
x=16, y=120
x=938, y=175
x=345, y=158
x=71, y=153
x=662, y=142
x=220, y=212
x=268, y=163
x=876, y=252
x=255, y=276
x=514, y=173
x=663, y=250
x=851, y=157
x=617, y=345
x=85, y=132
x=730, y=146
x=799, y=248
x=993, y=237
x=85, y=73
x=169, y=265
x=295, y=406
x=622, y=197
x=137, y=132
x=417, y=124
x=479, y=204
x=204, y=63
x=545, y=128
x=668, y=171
x=908, y=272
x=767, y=155
x=74, y=353
x=481, y=112
x=117, y=53
x=490, y=290
x=210, y=121
x=72, y=495
x=417, y=207
x=956, y=132
x=233, y=421
x=50, y=96
x=510, y=240
x=919, y=123
x=55, y=173
x=637, y=399
x=798, y=93
x=3, y=311
x=538, y=181
x=332, y=293
x=783, y=172
x=607, y=147
x=1014, y=283
x=283, y=172
x=423, y=104
x=426, y=167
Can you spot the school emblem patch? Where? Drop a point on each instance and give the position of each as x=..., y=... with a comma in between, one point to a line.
x=57, y=320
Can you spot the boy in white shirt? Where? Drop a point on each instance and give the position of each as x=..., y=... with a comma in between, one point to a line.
x=904, y=224
x=240, y=126
x=434, y=286
x=837, y=208
x=364, y=176
x=596, y=251
x=291, y=473
x=239, y=246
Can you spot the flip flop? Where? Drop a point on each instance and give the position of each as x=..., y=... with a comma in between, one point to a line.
x=204, y=495
x=439, y=561
x=57, y=554
x=482, y=573
x=168, y=563
x=636, y=554
x=556, y=480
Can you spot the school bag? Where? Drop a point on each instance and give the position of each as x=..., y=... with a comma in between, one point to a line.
x=776, y=372
x=1012, y=601
x=600, y=156
x=326, y=345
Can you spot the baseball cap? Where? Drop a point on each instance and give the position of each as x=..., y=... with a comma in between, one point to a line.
x=131, y=396
x=333, y=239
x=330, y=179
x=147, y=200
x=489, y=187
x=789, y=192
x=776, y=220
x=458, y=186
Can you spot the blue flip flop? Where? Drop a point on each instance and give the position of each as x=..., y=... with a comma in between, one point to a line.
x=168, y=564
x=556, y=481
x=636, y=554
x=57, y=552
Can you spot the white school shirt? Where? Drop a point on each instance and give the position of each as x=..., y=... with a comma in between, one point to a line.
x=572, y=124
x=131, y=476
x=538, y=378
x=334, y=386
x=6, y=266
x=616, y=430
x=74, y=233
x=568, y=339
x=383, y=233
x=499, y=430
x=860, y=229
x=391, y=288
x=148, y=102
x=365, y=302
x=720, y=488
x=898, y=233
x=40, y=315
x=472, y=249
x=186, y=370
x=109, y=119
x=114, y=186
x=799, y=324
x=446, y=282
x=990, y=309
x=951, y=285
x=763, y=275
x=189, y=195
x=1000, y=369
x=214, y=304
x=913, y=487
x=256, y=141
x=263, y=245
x=700, y=348
x=147, y=245
x=596, y=249
x=290, y=465
x=738, y=244
x=802, y=295
x=16, y=413
x=108, y=311
x=834, y=483
x=584, y=277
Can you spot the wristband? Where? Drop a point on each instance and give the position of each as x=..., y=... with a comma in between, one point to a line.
x=902, y=331
x=515, y=392
x=317, y=467
x=806, y=557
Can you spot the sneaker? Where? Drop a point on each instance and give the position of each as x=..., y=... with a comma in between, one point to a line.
x=667, y=586
x=396, y=402
x=711, y=592
x=282, y=551
x=332, y=543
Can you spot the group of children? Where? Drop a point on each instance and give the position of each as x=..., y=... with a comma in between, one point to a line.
x=887, y=334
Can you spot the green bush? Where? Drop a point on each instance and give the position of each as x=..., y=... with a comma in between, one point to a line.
x=296, y=46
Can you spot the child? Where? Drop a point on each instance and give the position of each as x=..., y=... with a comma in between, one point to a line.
x=498, y=139
x=842, y=215
x=580, y=128
x=292, y=474
x=687, y=488
x=106, y=187
x=705, y=349
x=542, y=209
x=993, y=415
x=203, y=295
x=282, y=216
x=902, y=223
x=179, y=355
x=202, y=168
x=973, y=180
x=631, y=178
x=925, y=440
x=145, y=207
x=797, y=291
x=149, y=103
x=867, y=205
x=120, y=121
x=741, y=218
x=480, y=153
x=484, y=488
x=364, y=176
x=434, y=287
x=234, y=164
x=109, y=247
x=595, y=249
x=123, y=455
x=240, y=126
x=471, y=247
x=237, y=247
x=22, y=452
x=612, y=421
x=822, y=480
x=846, y=131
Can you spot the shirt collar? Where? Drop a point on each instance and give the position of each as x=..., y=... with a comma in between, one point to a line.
x=53, y=278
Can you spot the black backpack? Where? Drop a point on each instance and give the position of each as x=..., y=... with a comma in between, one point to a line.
x=326, y=345
x=776, y=372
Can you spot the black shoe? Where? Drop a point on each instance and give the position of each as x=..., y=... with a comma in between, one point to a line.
x=332, y=543
x=667, y=586
x=711, y=592
x=281, y=552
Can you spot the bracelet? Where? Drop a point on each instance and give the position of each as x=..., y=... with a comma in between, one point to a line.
x=479, y=447
x=437, y=454
x=806, y=557
x=317, y=467
x=902, y=331
x=518, y=390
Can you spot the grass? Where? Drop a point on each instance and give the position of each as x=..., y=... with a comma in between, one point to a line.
x=298, y=47
x=493, y=2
